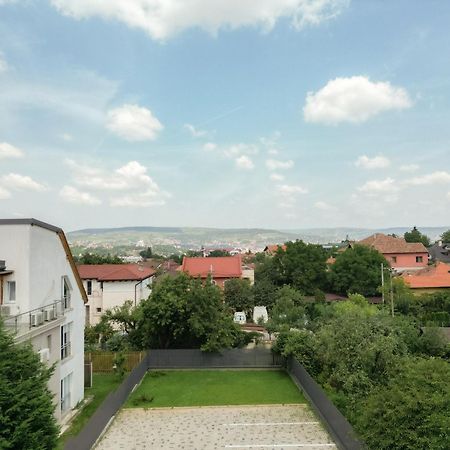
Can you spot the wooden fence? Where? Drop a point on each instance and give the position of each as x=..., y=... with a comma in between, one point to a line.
x=104, y=361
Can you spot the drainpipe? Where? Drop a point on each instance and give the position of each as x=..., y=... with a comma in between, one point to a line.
x=135, y=286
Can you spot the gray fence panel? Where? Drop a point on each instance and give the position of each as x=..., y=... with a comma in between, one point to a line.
x=196, y=359
x=337, y=425
x=97, y=423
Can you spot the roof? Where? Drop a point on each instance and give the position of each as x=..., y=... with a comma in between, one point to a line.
x=389, y=244
x=274, y=248
x=219, y=267
x=114, y=272
x=440, y=253
x=437, y=276
x=64, y=243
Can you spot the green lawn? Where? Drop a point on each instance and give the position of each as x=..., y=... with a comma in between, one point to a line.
x=214, y=387
x=102, y=385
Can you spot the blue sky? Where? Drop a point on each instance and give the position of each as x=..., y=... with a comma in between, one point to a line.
x=226, y=113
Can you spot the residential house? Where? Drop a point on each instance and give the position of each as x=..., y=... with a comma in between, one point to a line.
x=400, y=254
x=440, y=251
x=110, y=285
x=220, y=269
x=42, y=300
x=272, y=249
x=429, y=279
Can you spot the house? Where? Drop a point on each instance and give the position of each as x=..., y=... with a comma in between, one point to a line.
x=272, y=249
x=400, y=254
x=429, y=279
x=110, y=285
x=220, y=269
x=440, y=251
x=42, y=300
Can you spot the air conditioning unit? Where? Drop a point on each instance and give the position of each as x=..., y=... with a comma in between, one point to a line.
x=49, y=314
x=37, y=319
x=7, y=310
x=44, y=354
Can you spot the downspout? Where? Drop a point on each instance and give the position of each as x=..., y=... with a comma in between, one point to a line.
x=135, y=286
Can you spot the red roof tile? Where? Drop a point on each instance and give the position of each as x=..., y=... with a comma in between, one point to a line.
x=114, y=272
x=219, y=267
x=437, y=276
x=274, y=248
x=389, y=244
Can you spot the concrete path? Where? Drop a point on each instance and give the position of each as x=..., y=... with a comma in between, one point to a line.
x=208, y=428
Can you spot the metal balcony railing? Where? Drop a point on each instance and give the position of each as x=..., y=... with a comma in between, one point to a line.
x=24, y=322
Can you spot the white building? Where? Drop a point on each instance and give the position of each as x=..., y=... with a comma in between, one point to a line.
x=42, y=300
x=110, y=285
x=260, y=312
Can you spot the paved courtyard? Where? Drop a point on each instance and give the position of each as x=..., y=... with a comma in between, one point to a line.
x=209, y=428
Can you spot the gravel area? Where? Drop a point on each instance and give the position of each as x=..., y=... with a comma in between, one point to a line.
x=209, y=428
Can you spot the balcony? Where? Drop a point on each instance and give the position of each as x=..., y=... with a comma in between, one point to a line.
x=30, y=320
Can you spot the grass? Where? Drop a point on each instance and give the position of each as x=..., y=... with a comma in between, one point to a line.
x=102, y=385
x=215, y=387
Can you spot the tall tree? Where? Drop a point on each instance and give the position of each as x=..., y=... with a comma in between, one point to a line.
x=26, y=406
x=416, y=236
x=238, y=295
x=357, y=270
x=446, y=237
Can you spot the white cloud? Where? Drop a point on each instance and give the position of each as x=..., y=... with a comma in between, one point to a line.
x=273, y=164
x=289, y=189
x=377, y=162
x=240, y=149
x=354, y=99
x=22, y=183
x=9, y=151
x=162, y=19
x=409, y=167
x=375, y=187
x=130, y=183
x=73, y=195
x=66, y=137
x=210, y=146
x=324, y=206
x=133, y=123
x=244, y=163
x=4, y=194
x=439, y=177
x=196, y=133
x=276, y=177
x=3, y=64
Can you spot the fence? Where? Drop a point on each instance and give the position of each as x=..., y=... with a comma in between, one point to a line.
x=104, y=361
x=99, y=420
x=336, y=424
x=196, y=359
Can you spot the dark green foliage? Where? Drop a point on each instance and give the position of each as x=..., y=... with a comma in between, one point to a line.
x=446, y=237
x=183, y=312
x=416, y=236
x=357, y=270
x=238, y=295
x=147, y=253
x=412, y=411
x=264, y=293
x=216, y=253
x=93, y=258
x=26, y=404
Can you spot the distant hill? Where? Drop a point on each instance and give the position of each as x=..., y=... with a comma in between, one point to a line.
x=181, y=238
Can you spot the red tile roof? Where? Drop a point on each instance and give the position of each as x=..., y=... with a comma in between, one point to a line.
x=437, y=276
x=389, y=244
x=219, y=267
x=114, y=272
x=274, y=248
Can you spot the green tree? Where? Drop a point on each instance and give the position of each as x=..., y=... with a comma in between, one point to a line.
x=412, y=411
x=416, y=236
x=183, y=312
x=26, y=404
x=264, y=293
x=446, y=237
x=301, y=265
x=218, y=252
x=357, y=270
x=145, y=254
x=238, y=295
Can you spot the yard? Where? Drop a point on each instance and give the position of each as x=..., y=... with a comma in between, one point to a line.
x=102, y=385
x=214, y=387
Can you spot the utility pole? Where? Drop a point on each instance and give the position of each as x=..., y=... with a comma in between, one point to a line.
x=382, y=283
x=392, y=294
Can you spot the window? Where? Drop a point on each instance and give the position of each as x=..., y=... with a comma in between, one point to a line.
x=49, y=342
x=11, y=291
x=66, y=347
x=419, y=259
x=66, y=385
x=99, y=310
x=66, y=289
x=394, y=259
x=89, y=287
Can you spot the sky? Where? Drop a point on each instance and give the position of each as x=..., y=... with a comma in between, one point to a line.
x=283, y=114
